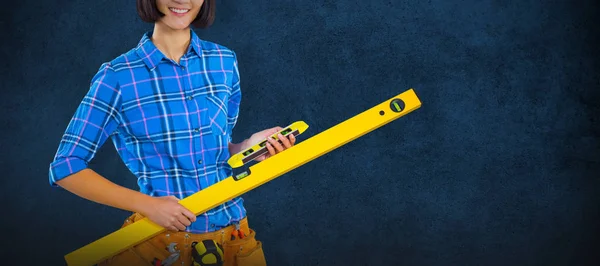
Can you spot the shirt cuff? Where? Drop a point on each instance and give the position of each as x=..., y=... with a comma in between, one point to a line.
x=65, y=167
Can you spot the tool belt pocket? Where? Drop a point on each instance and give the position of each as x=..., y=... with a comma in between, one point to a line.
x=254, y=256
x=145, y=253
x=246, y=251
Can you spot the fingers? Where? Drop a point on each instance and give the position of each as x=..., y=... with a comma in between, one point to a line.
x=276, y=144
x=184, y=220
x=188, y=214
x=274, y=147
x=173, y=198
x=270, y=148
x=285, y=141
x=177, y=223
x=180, y=223
x=272, y=131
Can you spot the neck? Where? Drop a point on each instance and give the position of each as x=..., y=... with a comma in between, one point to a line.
x=172, y=43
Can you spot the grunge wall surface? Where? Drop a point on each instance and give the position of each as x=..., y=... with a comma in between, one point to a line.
x=500, y=166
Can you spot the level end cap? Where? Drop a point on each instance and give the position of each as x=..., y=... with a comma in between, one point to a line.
x=234, y=161
x=300, y=125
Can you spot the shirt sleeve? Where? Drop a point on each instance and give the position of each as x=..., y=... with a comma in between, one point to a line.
x=233, y=107
x=93, y=122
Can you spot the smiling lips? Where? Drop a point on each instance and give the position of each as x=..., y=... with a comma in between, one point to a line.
x=179, y=11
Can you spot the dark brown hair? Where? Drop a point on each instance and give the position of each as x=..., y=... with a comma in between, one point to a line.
x=149, y=13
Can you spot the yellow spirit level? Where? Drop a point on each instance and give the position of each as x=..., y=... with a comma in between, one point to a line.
x=258, y=174
x=239, y=159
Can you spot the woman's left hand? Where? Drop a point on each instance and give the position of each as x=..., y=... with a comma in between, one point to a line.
x=273, y=146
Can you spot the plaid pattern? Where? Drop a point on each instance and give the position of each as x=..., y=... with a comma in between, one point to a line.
x=170, y=123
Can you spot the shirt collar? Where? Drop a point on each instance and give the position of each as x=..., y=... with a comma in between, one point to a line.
x=152, y=56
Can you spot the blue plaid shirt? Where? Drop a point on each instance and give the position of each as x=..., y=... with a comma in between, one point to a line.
x=169, y=122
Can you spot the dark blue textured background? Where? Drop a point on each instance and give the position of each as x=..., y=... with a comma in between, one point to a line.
x=500, y=166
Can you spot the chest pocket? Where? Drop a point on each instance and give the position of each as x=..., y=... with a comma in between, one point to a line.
x=217, y=113
x=156, y=121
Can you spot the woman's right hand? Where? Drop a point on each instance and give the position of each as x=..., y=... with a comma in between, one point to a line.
x=168, y=213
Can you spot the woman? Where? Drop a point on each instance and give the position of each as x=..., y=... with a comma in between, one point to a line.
x=169, y=105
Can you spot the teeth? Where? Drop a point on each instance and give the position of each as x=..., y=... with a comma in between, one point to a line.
x=179, y=11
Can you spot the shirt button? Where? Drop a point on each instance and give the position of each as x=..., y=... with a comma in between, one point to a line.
x=197, y=130
x=190, y=98
x=199, y=161
x=182, y=68
x=212, y=225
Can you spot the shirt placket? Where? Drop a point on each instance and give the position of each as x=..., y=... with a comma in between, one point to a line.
x=192, y=107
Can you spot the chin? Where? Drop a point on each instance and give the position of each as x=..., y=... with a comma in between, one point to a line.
x=177, y=25
x=180, y=26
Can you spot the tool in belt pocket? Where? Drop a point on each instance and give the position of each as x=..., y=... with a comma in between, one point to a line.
x=207, y=253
